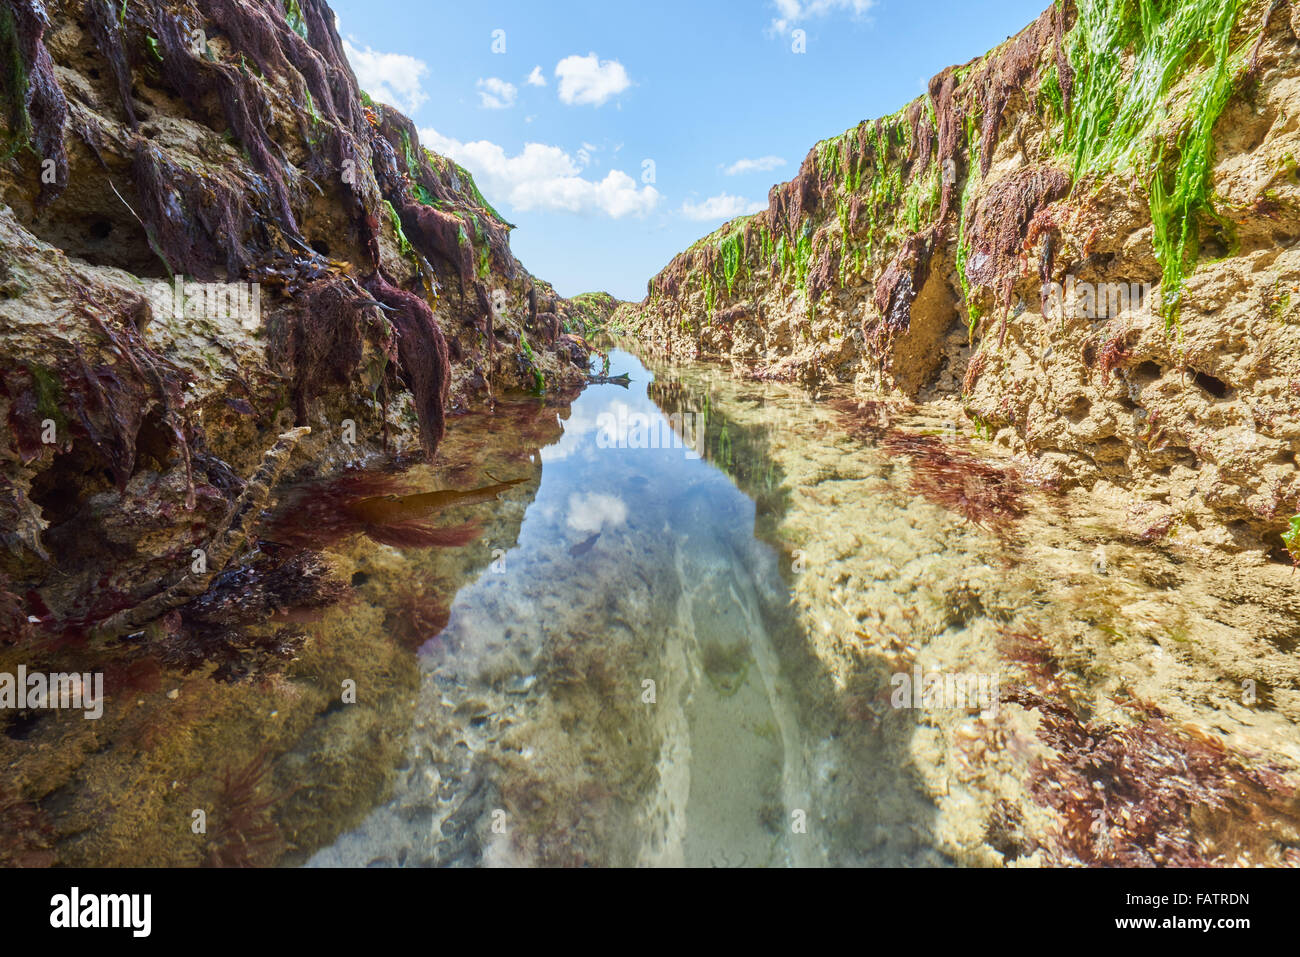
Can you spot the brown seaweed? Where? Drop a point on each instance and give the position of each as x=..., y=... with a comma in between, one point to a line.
x=26, y=832
x=222, y=626
x=400, y=508
x=14, y=626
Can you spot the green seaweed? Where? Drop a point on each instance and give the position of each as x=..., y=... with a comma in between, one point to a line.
x=1279, y=302
x=311, y=109
x=482, y=247
x=1117, y=112
x=973, y=180
x=733, y=257
x=408, y=153
x=1174, y=210
x=49, y=392
x=403, y=244
x=539, y=379
x=797, y=258
x=13, y=92
x=921, y=198
x=895, y=199
x=724, y=447
x=1291, y=539
x=1051, y=99
x=292, y=15
x=468, y=179
x=422, y=195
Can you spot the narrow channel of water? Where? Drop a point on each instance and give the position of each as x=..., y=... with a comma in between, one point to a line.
x=690, y=659
x=631, y=625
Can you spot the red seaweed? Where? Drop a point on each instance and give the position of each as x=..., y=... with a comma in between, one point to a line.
x=245, y=833
x=416, y=613
x=987, y=495
x=423, y=355
x=38, y=110
x=316, y=514
x=320, y=341
x=1150, y=794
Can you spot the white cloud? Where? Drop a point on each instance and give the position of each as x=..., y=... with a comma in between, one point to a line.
x=722, y=206
x=590, y=80
x=545, y=178
x=495, y=94
x=392, y=78
x=762, y=164
x=536, y=78
x=793, y=12
x=593, y=512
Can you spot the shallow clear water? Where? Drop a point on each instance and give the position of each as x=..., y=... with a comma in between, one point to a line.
x=692, y=660
x=647, y=651
x=637, y=570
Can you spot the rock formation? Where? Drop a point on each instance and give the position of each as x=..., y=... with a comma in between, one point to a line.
x=1084, y=238
x=210, y=236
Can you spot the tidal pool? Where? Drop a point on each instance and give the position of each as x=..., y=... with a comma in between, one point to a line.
x=703, y=620
x=612, y=687
x=696, y=650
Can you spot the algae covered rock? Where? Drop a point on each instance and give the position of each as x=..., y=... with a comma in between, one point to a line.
x=210, y=239
x=1080, y=242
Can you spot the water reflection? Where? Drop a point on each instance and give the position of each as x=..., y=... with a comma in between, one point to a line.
x=688, y=653
x=615, y=690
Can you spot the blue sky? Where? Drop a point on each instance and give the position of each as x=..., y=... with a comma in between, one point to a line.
x=559, y=127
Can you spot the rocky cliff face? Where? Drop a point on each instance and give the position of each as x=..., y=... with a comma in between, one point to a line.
x=237, y=299
x=1083, y=242
x=210, y=236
